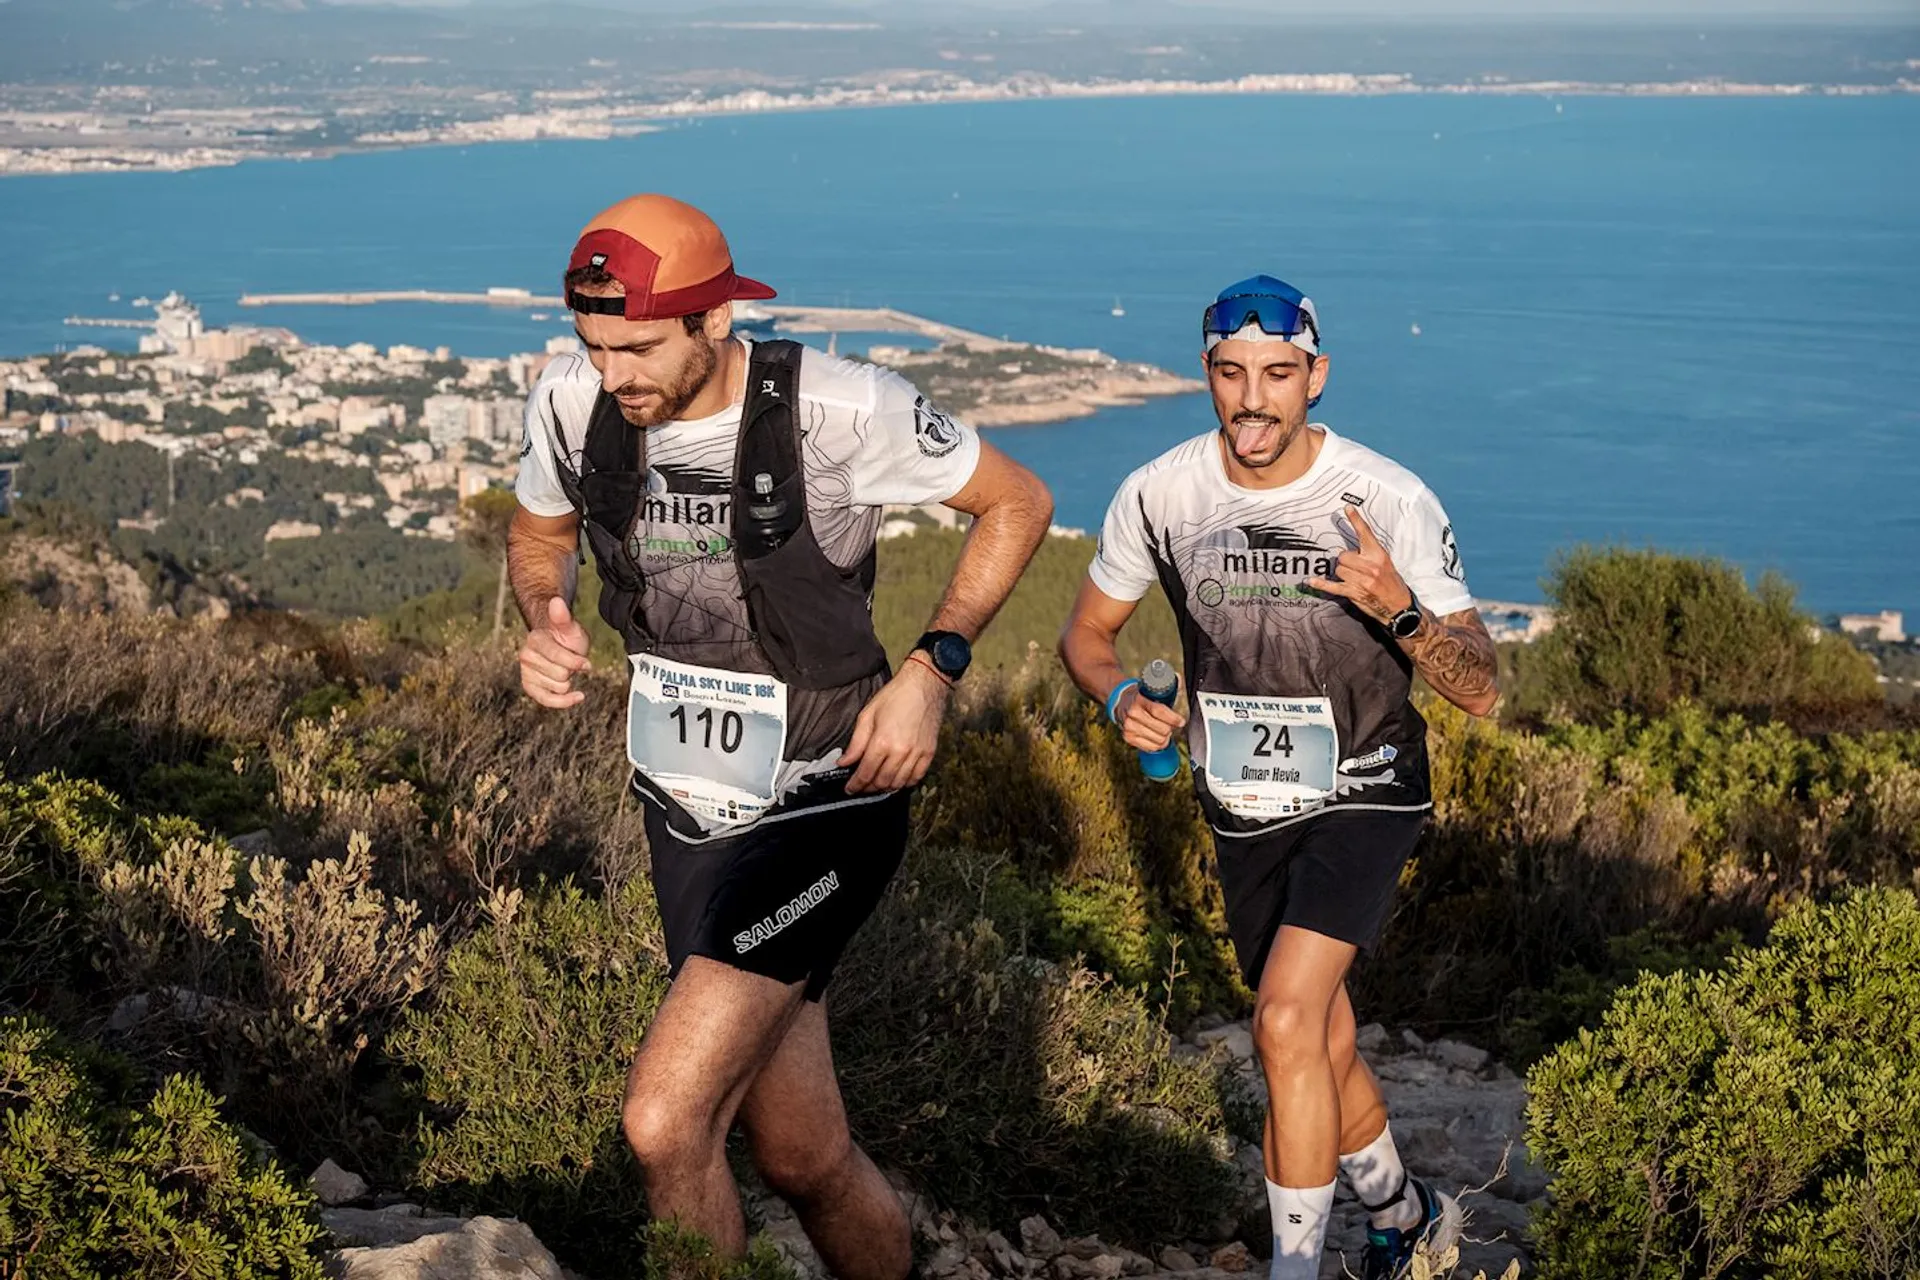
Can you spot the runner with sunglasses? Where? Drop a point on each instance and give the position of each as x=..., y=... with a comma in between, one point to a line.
x=1311, y=577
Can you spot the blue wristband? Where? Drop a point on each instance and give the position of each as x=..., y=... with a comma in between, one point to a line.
x=1113, y=698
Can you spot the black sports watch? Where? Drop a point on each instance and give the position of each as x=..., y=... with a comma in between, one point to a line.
x=949, y=652
x=1405, y=624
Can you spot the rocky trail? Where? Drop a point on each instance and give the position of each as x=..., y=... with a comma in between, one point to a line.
x=1458, y=1119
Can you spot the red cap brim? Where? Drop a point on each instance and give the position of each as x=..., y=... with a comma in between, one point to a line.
x=744, y=288
x=636, y=267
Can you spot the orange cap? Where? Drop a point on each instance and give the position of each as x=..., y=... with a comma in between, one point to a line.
x=671, y=258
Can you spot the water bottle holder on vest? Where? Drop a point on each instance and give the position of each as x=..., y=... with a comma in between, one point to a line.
x=811, y=618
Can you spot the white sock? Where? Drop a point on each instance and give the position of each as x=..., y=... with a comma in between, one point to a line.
x=1380, y=1183
x=1300, y=1217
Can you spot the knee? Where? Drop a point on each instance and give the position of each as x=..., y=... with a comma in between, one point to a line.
x=662, y=1134
x=801, y=1167
x=1289, y=1034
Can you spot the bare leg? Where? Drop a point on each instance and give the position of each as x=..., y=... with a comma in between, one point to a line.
x=716, y=1030
x=1291, y=1017
x=1363, y=1109
x=796, y=1126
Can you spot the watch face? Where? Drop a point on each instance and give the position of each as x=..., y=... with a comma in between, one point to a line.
x=952, y=653
x=1405, y=624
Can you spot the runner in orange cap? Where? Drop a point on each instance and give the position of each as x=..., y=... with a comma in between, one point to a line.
x=731, y=493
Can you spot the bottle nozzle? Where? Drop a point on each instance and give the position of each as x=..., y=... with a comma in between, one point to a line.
x=1158, y=677
x=762, y=484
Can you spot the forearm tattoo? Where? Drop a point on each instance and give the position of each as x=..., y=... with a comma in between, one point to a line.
x=1455, y=655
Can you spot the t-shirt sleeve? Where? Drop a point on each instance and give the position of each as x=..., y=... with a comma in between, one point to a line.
x=911, y=453
x=538, y=484
x=1122, y=562
x=1427, y=556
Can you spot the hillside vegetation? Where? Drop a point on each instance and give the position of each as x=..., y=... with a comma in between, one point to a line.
x=352, y=883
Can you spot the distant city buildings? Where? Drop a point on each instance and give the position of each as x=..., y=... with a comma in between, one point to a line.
x=1887, y=626
x=452, y=420
x=344, y=406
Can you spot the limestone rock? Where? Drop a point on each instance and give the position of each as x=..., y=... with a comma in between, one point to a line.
x=336, y=1186
x=1085, y=1247
x=1233, y=1257
x=1372, y=1038
x=1235, y=1037
x=946, y=1260
x=1178, y=1260
x=790, y=1241
x=1455, y=1054
x=481, y=1248
x=1039, y=1240
x=1103, y=1266
x=395, y=1224
x=1008, y=1260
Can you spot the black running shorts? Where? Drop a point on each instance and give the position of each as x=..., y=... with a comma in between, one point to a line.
x=1333, y=873
x=783, y=898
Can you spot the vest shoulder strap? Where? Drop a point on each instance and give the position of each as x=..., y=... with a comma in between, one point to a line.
x=769, y=438
x=612, y=444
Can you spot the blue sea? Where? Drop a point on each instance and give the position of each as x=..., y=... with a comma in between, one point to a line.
x=1693, y=324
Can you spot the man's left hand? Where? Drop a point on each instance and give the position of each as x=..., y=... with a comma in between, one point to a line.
x=1367, y=576
x=895, y=736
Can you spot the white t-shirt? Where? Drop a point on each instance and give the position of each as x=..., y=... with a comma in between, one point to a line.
x=868, y=439
x=1236, y=560
x=871, y=440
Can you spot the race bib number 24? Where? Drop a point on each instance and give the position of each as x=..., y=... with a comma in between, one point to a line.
x=1269, y=757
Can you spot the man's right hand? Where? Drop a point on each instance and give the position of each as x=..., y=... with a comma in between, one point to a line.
x=551, y=656
x=1145, y=724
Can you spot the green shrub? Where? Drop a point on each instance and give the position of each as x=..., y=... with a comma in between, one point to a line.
x=1763, y=1120
x=1561, y=841
x=151, y=691
x=1009, y=1084
x=1093, y=860
x=913, y=572
x=273, y=981
x=1540, y=1018
x=91, y=1188
x=676, y=1254
x=1638, y=631
x=56, y=837
x=521, y=1062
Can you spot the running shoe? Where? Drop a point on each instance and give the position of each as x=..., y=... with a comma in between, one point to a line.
x=1390, y=1249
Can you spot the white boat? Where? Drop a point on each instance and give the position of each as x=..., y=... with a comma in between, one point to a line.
x=539, y=315
x=1118, y=310
x=143, y=302
x=113, y=297
x=1416, y=330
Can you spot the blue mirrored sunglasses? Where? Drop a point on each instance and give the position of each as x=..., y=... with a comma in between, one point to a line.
x=1281, y=317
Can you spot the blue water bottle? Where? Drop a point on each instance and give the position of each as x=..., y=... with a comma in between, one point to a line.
x=1159, y=683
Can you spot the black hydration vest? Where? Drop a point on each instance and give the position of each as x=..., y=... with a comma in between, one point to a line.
x=811, y=619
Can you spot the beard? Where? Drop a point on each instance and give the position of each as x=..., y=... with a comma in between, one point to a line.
x=670, y=399
x=1265, y=437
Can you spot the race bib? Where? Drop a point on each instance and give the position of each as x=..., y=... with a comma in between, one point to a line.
x=1269, y=757
x=711, y=739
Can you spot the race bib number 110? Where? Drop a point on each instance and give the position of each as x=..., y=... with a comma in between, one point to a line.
x=1269, y=757
x=710, y=738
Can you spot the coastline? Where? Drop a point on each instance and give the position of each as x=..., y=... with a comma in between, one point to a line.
x=631, y=118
